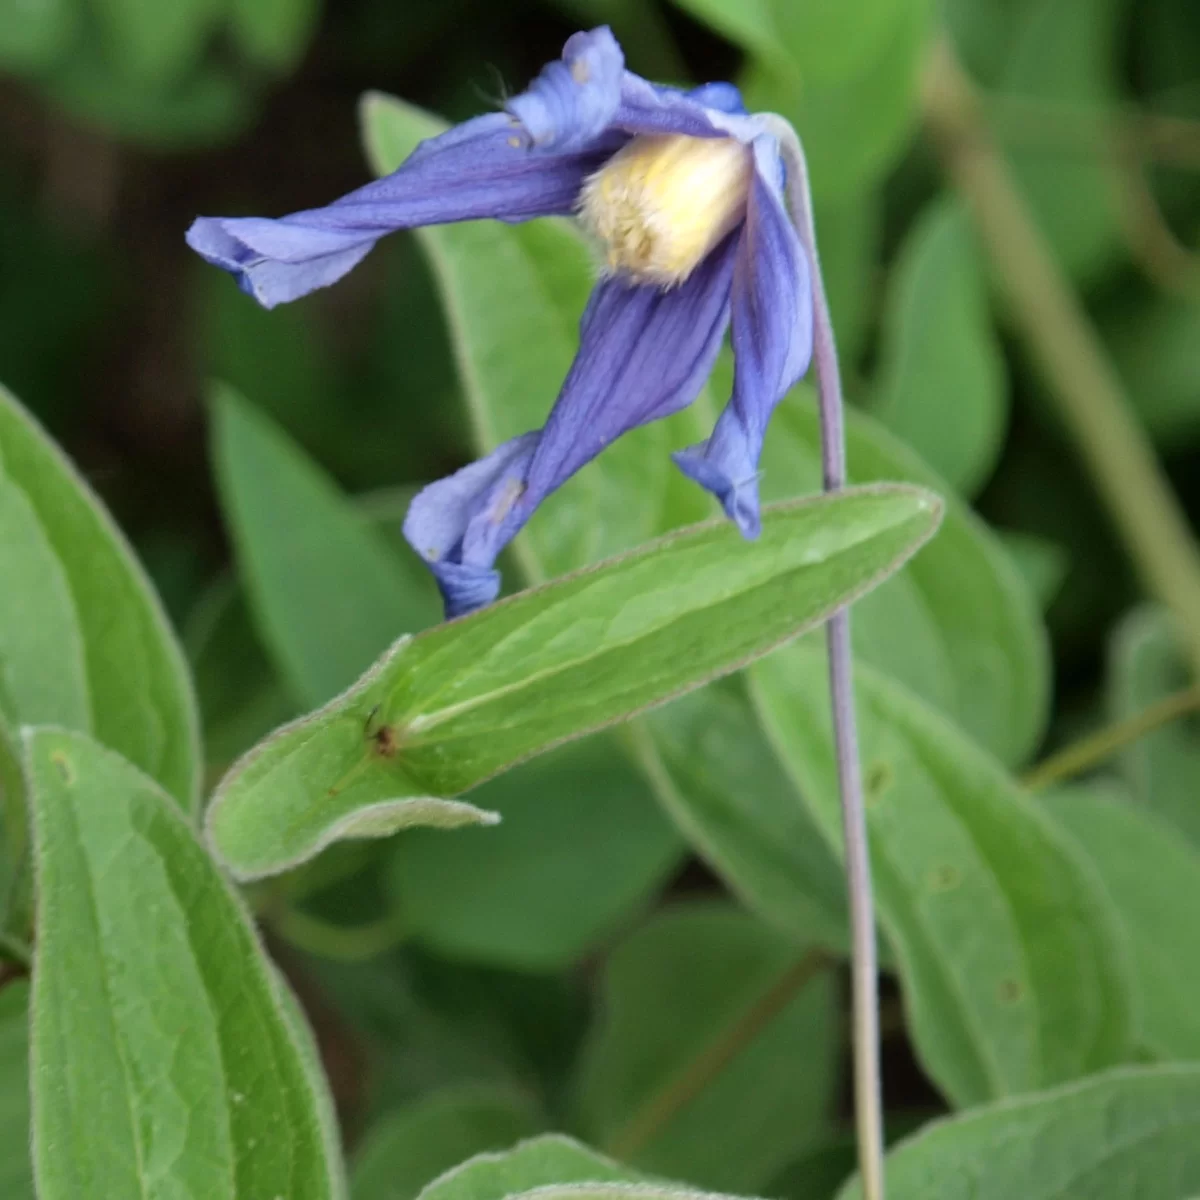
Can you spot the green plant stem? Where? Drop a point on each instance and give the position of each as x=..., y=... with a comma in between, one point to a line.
x=1091, y=751
x=1053, y=324
x=663, y=1106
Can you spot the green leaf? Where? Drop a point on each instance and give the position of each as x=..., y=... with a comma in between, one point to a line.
x=958, y=625
x=1044, y=563
x=716, y=1057
x=274, y=32
x=162, y=1053
x=1161, y=767
x=513, y=297
x=410, y=1148
x=445, y=711
x=1153, y=877
x=582, y=844
x=84, y=642
x=1125, y=1133
x=155, y=43
x=16, y=1171
x=202, y=109
x=849, y=234
x=714, y=771
x=241, y=696
x=1154, y=349
x=855, y=127
x=1063, y=59
x=329, y=592
x=34, y=36
x=538, y=1163
x=942, y=383
x=1014, y=973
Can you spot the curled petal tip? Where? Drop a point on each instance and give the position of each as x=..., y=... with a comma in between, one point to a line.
x=573, y=101
x=736, y=489
x=465, y=589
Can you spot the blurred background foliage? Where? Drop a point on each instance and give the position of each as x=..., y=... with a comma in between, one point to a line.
x=467, y=967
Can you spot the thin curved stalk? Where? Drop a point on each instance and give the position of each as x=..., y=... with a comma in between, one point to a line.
x=868, y=1098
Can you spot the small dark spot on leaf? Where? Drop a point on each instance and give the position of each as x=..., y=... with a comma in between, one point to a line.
x=879, y=777
x=1011, y=991
x=944, y=878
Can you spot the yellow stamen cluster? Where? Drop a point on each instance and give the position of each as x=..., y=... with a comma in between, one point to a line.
x=662, y=203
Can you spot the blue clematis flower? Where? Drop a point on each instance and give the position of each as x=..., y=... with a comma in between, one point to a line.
x=682, y=191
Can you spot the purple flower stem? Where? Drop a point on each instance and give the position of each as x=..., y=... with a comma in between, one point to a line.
x=868, y=1100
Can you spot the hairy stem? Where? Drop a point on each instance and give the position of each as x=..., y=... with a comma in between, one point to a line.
x=1050, y=318
x=868, y=1091
x=1091, y=751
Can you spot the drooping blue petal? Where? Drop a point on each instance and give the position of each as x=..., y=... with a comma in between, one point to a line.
x=478, y=169
x=572, y=101
x=441, y=515
x=772, y=335
x=644, y=353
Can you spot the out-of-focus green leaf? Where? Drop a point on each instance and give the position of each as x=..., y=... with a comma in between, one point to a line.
x=241, y=696
x=1153, y=877
x=1043, y=563
x=35, y=33
x=1134, y=1132
x=84, y=642
x=1063, y=62
x=714, y=771
x=958, y=625
x=705, y=991
x=849, y=234
x=1161, y=768
x=201, y=109
x=410, y=1148
x=1156, y=348
x=328, y=591
x=855, y=126
x=983, y=32
x=155, y=43
x=942, y=385
x=447, y=710
x=539, y=1163
x=274, y=32
x=581, y=845
x=16, y=1171
x=514, y=295
x=161, y=1054
x=1014, y=972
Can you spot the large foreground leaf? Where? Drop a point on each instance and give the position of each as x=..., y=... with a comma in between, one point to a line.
x=84, y=642
x=446, y=710
x=1013, y=968
x=164, y=1058
x=1124, y=1134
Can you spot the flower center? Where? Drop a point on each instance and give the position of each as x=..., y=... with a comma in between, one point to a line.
x=660, y=204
